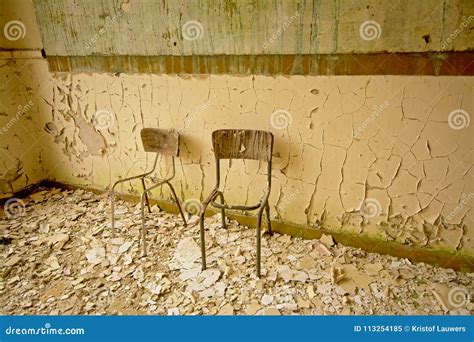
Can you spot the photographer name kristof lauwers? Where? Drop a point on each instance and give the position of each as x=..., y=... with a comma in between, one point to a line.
x=437, y=328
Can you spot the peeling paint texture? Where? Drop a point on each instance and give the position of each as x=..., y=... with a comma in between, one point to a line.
x=248, y=27
x=337, y=153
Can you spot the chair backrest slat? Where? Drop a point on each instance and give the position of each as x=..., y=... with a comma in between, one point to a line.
x=160, y=141
x=242, y=144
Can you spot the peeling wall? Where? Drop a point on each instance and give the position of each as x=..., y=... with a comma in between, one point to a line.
x=295, y=37
x=352, y=140
x=25, y=99
x=21, y=92
x=250, y=27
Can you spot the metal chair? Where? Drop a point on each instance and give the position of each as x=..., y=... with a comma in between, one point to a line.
x=240, y=144
x=158, y=141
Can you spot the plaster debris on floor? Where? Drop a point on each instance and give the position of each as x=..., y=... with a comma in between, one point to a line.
x=60, y=257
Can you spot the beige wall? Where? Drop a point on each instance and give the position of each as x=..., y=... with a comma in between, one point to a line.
x=351, y=139
x=21, y=92
x=25, y=90
x=385, y=141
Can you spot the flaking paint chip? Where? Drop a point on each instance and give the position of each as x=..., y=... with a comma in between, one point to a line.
x=266, y=299
x=327, y=240
x=95, y=255
x=12, y=261
x=226, y=310
x=287, y=274
x=296, y=272
x=59, y=240
x=125, y=247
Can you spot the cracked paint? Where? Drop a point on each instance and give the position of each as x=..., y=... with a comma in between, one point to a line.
x=319, y=27
x=321, y=171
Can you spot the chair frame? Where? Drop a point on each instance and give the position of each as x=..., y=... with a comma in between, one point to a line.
x=261, y=205
x=163, y=150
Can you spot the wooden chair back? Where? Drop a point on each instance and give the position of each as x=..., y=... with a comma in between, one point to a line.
x=160, y=141
x=243, y=144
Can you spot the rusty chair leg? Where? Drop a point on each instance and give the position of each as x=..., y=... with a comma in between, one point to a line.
x=112, y=213
x=112, y=189
x=143, y=230
x=221, y=196
x=203, y=242
x=213, y=194
x=146, y=195
x=142, y=203
x=177, y=202
x=269, y=222
x=259, y=239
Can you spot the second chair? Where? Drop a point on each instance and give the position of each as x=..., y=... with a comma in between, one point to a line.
x=240, y=144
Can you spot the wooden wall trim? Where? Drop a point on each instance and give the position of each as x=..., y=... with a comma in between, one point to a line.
x=434, y=64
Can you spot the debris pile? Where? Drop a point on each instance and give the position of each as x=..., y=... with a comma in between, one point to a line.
x=60, y=257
